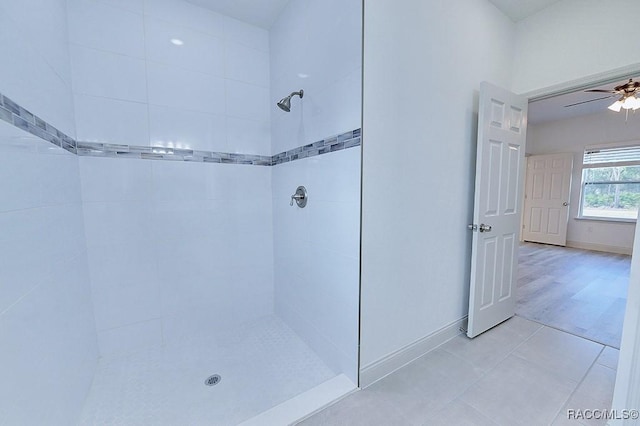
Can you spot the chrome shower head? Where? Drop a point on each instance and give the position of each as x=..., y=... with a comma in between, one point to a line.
x=285, y=103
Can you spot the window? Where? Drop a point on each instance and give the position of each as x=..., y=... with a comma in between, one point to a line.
x=611, y=183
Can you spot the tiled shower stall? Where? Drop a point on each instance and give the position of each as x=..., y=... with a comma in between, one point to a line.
x=147, y=238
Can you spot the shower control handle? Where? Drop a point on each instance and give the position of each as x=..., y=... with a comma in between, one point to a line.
x=300, y=197
x=296, y=197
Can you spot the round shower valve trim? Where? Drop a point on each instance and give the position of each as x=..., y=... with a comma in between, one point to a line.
x=300, y=197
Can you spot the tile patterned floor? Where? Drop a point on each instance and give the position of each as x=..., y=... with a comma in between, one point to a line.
x=519, y=373
x=262, y=364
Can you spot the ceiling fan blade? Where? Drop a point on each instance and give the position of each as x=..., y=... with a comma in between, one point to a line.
x=590, y=100
x=601, y=91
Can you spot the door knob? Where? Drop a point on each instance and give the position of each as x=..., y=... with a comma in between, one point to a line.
x=565, y=204
x=484, y=228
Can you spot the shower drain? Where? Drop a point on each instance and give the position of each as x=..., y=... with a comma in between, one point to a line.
x=213, y=380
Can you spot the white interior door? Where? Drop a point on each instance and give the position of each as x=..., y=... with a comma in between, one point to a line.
x=502, y=124
x=546, y=198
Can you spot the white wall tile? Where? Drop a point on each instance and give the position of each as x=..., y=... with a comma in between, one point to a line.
x=55, y=322
x=221, y=182
x=341, y=235
x=200, y=52
x=117, y=223
x=246, y=34
x=108, y=75
x=45, y=301
x=248, y=136
x=335, y=177
x=324, y=237
x=173, y=181
x=18, y=193
x=114, y=180
x=115, y=267
x=44, y=27
x=91, y=24
x=246, y=64
x=183, y=13
x=58, y=179
x=175, y=87
x=124, y=285
x=136, y=6
x=239, y=183
x=31, y=81
x=114, y=121
x=179, y=128
x=17, y=252
x=327, y=29
x=189, y=101
x=130, y=338
x=247, y=101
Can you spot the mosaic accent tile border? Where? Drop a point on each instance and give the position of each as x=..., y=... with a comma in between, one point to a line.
x=325, y=146
x=163, y=153
x=19, y=117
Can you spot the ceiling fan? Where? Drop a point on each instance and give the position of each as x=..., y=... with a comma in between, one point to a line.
x=627, y=96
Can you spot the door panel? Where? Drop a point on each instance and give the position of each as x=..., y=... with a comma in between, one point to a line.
x=547, y=191
x=502, y=121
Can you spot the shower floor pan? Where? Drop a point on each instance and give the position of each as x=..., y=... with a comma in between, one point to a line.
x=261, y=366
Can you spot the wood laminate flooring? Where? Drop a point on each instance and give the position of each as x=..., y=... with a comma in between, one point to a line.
x=579, y=291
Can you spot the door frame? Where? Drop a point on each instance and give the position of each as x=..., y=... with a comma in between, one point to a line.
x=627, y=387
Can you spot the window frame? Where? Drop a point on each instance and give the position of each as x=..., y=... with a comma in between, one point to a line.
x=606, y=164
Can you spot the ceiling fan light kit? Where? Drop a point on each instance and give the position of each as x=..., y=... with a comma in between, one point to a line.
x=628, y=100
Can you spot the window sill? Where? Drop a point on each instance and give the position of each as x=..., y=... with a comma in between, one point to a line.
x=605, y=219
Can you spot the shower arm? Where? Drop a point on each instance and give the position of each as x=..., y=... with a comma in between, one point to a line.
x=299, y=93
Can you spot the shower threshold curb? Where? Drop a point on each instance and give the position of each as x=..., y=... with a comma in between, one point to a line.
x=307, y=403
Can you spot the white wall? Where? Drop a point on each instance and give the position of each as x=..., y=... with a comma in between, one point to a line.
x=317, y=255
x=47, y=329
x=423, y=64
x=135, y=87
x=177, y=250
x=573, y=39
x=37, y=71
x=316, y=46
x=571, y=136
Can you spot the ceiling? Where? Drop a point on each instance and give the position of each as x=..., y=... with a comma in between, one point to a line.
x=517, y=10
x=262, y=13
x=555, y=108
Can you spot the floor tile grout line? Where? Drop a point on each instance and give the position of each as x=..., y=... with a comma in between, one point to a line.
x=485, y=373
x=564, y=405
x=512, y=352
x=561, y=331
x=568, y=332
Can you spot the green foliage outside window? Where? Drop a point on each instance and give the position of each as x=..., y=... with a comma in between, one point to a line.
x=602, y=189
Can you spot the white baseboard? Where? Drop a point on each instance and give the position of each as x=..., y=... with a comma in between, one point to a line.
x=599, y=247
x=302, y=406
x=371, y=373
